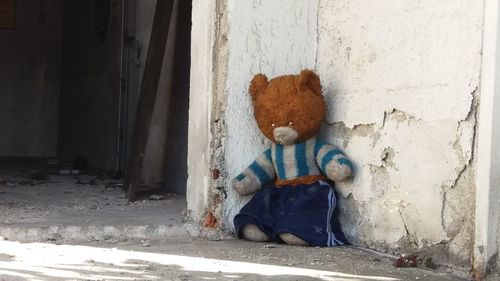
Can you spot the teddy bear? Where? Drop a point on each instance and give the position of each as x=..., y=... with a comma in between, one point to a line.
x=292, y=182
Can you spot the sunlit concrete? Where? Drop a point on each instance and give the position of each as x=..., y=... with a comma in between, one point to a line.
x=39, y=261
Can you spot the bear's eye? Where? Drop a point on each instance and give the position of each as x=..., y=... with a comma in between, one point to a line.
x=290, y=123
x=273, y=125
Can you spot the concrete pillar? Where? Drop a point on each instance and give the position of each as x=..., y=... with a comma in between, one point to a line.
x=488, y=166
x=200, y=106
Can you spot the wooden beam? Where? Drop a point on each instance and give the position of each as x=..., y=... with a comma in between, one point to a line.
x=147, y=97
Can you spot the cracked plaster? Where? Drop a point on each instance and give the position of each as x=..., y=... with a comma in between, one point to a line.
x=402, y=101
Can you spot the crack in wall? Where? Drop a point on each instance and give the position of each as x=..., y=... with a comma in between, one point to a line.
x=399, y=116
x=459, y=221
x=404, y=223
x=346, y=133
x=409, y=239
x=317, y=36
x=443, y=207
x=472, y=116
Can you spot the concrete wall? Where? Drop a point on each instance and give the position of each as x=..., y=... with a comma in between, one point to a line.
x=90, y=89
x=202, y=95
x=30, y=71
x=155, y=149
x=401, y=82
x=175, y=157
x=165, y=159
x=487, y=218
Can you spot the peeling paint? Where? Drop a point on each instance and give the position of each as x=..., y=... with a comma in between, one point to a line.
x=402, y=102
x=218, y=184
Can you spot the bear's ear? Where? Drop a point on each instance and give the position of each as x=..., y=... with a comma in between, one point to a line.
x=307, y=79
x=258, y=85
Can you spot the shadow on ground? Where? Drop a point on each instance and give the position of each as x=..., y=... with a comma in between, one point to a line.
x=66, y=262
x=198, y=260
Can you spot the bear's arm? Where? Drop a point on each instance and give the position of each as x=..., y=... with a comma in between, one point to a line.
x=257, y=175
x=333, y=162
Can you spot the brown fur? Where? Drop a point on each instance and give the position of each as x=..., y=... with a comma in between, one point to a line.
x=289, y=98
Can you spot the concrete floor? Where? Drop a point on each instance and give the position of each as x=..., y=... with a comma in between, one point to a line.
x=193, y=259
x=60, y=208
x=90, y=232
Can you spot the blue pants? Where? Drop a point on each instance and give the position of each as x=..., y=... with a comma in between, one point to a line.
x=307, y=211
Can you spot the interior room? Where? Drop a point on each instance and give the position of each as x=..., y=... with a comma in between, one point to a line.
x=69, y=84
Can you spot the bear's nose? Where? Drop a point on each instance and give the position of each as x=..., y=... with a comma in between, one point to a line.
x=285, y=135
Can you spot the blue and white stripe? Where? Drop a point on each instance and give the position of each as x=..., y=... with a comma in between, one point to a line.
x=261, y=169
x=325, y=153
x=293, y=161
x=332, y=202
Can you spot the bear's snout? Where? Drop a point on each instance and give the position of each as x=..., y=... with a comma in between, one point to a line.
x=285, y=135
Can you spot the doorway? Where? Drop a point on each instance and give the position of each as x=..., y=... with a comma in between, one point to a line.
x=69, y=81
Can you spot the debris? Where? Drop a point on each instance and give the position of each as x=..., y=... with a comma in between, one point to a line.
x=157, y=197
x=116, y=175
x=69, y=172
x=430, y=263
x=54, y=237
x=210, y=220
x=38, y=175
x=213, y=235
x=407, y=261
x=90, y=182
x=80, y=163
x=215, y=174
x=114, y=184
x=270, y=246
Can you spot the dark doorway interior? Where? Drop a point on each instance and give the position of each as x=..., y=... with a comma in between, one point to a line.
x=65, y=94
x=90, y=82
x=177, y=126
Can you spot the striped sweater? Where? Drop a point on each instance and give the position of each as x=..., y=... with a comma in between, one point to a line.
x=291, y=163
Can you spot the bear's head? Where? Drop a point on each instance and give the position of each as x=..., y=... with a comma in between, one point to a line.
x=289, y=109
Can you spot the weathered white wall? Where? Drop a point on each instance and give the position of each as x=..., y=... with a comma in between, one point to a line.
x=200, y=105
x=264, y=37
x=400, y=79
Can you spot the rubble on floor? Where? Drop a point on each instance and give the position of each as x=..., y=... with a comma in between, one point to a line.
x=38, y=206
